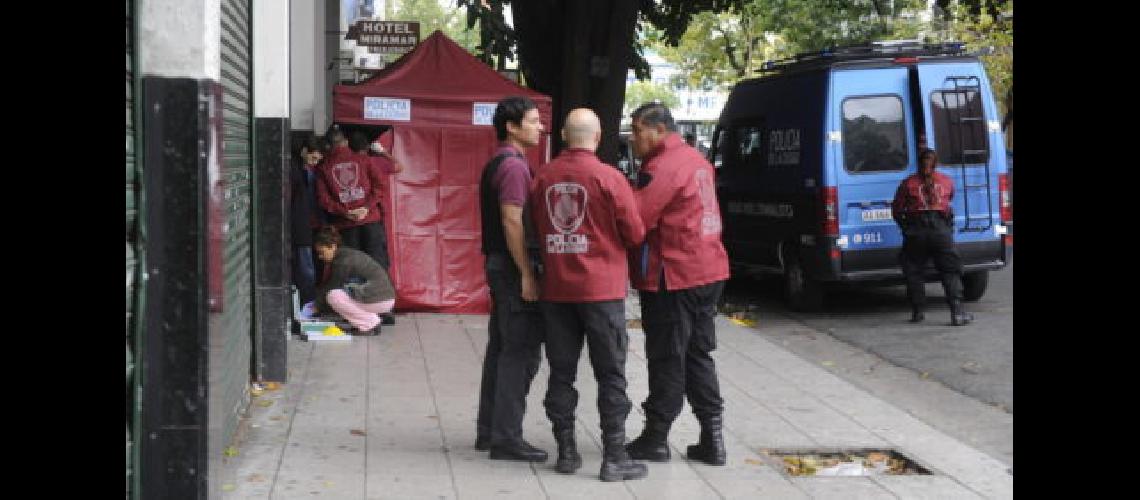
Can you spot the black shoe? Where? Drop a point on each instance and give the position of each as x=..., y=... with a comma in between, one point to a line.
x=568, y=458
x=710, y=448
x=651, y=444
x=520, y=450
x=616, y=463
x=482, y=443
x=917, y=317
x=374, y=332
x=388, y=319
x=961, y=319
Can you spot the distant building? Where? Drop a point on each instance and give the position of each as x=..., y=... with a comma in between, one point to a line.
x=697, y=110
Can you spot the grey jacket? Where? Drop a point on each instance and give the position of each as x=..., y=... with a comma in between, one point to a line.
x=349, y=263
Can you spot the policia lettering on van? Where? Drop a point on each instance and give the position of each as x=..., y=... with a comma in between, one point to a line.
x=810, y=154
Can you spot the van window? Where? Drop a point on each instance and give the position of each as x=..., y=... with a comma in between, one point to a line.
x=749, y=140
x=874, y=139
x=949, y=108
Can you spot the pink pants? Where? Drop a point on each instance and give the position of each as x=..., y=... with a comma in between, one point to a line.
x=361, y=316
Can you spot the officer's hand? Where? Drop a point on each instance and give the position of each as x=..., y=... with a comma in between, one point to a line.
x=529, y=288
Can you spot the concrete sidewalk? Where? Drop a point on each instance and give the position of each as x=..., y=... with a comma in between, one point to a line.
x=394, y=417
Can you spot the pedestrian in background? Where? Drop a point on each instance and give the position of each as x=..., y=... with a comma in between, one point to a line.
x=304, y=215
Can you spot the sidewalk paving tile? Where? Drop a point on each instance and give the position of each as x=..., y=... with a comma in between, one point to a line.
x=394, y=417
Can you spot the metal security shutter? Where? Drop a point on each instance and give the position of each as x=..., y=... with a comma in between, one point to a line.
x=134, y=255
x=237, y=132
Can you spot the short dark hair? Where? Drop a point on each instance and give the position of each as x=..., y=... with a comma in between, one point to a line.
x=326, y=236
x=358, y=142
x=310, y=143
x=923, y=153
x=654, y=113
x=511, y=109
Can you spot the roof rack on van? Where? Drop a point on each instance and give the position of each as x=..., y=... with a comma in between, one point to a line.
x=888, y=49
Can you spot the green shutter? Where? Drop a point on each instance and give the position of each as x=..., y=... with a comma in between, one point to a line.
x=237, y=163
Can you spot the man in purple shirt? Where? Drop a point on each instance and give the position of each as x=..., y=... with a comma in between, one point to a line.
x=515, y=332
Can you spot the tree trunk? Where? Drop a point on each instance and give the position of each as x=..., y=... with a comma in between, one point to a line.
x=578, y=52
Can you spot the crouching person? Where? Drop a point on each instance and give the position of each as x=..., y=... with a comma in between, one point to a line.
x=355, y=285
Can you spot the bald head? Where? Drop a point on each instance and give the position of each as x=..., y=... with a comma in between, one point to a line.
x=582, y=129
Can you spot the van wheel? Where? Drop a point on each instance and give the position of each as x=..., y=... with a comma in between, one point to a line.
x=803, y=293
x=974, y=285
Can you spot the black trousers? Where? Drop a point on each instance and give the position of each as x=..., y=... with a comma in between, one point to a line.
x=602, y=325
x=929, y=236
x=514, y=341
x=679, y=335
x=368, y=238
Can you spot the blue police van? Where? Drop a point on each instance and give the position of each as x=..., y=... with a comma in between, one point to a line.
x=809, y=156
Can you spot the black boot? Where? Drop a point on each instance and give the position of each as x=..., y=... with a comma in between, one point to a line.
x=616, y=464
x=959, y=317
x=482, y=442
x=519, y=450
x=568, y=458
x=710, y=449
x=651, y=444
x=916, y=316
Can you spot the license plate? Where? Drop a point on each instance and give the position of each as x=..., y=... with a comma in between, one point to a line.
x=876, y=214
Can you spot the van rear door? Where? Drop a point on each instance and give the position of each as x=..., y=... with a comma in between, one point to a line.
x=962, y=127
x=871, y=150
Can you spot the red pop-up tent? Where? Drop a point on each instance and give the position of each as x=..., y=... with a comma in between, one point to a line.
x=439, y=100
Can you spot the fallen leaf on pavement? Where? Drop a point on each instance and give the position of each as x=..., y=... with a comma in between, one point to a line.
x=743, y=319
x=230, y=452
x=277, y=417
x=828, y=363
x=971, y=367
x=256, y=478
x=265, y=403
x=272, y=386
x=228, y=487
x=357, y=432
x=633, y=323
x=753, y=461
x=924, y=376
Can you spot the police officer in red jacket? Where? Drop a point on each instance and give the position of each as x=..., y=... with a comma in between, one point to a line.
x=585, y=217
x=922, y=210
x=348, y=189
x=680, y=275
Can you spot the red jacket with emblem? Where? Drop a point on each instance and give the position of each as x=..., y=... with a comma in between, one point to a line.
x=910, y=199
x=347, y=181
x=682, y=220
x=585, y=217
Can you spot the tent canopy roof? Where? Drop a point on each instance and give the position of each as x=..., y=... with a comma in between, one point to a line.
x=439, y=69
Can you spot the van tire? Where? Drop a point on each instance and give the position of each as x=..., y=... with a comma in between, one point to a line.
x=974, y=285
x=802, y=293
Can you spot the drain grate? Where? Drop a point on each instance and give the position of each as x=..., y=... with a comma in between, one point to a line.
x=838, y=462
